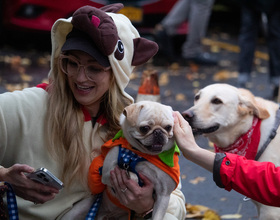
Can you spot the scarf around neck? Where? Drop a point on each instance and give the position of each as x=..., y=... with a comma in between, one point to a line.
x=247, y=144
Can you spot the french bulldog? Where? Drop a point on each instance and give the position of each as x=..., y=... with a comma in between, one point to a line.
x=148, y=128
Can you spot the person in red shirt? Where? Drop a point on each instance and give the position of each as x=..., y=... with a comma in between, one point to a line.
x=259, y=181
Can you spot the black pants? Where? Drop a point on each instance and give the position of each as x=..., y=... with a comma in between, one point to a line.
x=250, y=23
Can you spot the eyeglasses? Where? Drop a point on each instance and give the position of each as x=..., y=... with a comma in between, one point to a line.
x=71, y=67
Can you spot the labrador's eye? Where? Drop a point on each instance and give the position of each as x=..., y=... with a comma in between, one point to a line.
x=196, y=97
x=217, y=101
x=168, y=128
x=144, y=129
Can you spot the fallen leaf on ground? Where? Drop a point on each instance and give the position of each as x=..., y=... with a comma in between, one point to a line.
x=201, y=212
x=26, y=77
x=163, y=79
x=221, y=75
x=180, y=97
x=197, y=180
x=167, y=93
x=231, y=216
x=211, y=215
x=183, y=176
x=133, y=76
x=43, y=61
x=45, y=80
x=194, y=67
x=174, y=66
x=13, y=87
x=15, y=60
x=26, y=62
x=196, y=84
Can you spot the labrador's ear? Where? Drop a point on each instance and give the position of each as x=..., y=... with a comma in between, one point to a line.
x=249, y=104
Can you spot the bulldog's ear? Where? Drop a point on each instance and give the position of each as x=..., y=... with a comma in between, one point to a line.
x=144, y=50
x=131, y=113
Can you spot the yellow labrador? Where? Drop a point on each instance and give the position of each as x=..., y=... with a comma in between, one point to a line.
x=224, y=114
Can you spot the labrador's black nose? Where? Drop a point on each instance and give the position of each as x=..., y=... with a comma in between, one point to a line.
x=188, y=115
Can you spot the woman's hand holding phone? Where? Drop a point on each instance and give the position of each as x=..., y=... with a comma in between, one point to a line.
x=25, y=187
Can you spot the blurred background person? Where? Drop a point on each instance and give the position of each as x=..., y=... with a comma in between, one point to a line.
x=251, y=18
x=197, y=13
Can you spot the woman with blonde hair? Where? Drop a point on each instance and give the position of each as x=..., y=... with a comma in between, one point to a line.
x=62, y=125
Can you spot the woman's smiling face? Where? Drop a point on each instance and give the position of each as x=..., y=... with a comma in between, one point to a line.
x=88, y=91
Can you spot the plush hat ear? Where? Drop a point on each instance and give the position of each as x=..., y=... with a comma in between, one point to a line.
x=144, y=50
x=112, y=8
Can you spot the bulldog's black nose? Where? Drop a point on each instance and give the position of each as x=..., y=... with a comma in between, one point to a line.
x=158, y=136
x=188, y=115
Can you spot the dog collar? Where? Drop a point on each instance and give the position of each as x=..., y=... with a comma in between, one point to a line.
x=247, y=144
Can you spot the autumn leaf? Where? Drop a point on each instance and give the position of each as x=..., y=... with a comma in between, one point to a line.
x=43, y=61
x=15, y=61
x=45, y=80
x=134, y=76
x=180, y=97
x=13, y=87
x=211, y=215
x=221, y=75
x=25, y=77
x=183, y=176
x=196, y=84
x=197, y=180
x=231, y=216
x=167, y=93
x=174, y=66
x=163, y=79
x=26, y=61
x=194, y=67
x=189, y=76
x=201, y=212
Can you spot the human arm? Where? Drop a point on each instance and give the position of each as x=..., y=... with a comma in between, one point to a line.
x=24, y=187
x=19, y=129
x=257, y=180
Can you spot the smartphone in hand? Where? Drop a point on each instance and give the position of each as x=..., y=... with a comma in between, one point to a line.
x=45, y=177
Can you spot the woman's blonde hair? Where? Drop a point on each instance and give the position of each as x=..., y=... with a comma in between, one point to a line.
x=65, y=122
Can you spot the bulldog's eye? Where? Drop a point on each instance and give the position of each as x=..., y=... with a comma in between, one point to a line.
x=144, y=129
x=168, y=128
x=216, y=101
x=196, y=97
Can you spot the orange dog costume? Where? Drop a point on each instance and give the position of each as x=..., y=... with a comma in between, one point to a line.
x=167, y=161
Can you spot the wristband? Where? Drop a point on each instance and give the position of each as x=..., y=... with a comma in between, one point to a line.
x=147, y=215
